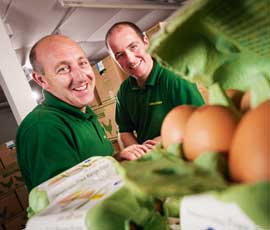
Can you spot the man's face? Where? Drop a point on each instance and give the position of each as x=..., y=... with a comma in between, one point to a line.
x=68, y=74
x=129, y=50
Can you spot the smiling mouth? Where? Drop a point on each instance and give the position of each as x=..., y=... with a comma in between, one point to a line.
x=81, y=88
x=134, y=66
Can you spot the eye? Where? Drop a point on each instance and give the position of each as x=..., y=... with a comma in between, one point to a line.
x=84, y=63
x=118, y=55
x=63, y=69
x=134, y=47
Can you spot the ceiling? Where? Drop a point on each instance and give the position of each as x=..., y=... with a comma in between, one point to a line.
x=86, y=21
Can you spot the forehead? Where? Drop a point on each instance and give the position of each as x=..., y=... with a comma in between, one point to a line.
x=122, y=36
x=59, y=49
x=124, y=29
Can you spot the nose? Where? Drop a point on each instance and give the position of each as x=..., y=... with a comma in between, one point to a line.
x=130, y=56
x=78, y=74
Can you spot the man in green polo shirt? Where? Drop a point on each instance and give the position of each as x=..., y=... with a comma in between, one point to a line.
x=149, y=93
x=62, y=131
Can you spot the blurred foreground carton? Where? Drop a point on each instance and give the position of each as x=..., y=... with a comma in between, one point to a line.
x=244, y=206
x=64, y=200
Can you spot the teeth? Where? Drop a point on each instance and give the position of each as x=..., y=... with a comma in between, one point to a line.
x=134, y=66
x=81, y=88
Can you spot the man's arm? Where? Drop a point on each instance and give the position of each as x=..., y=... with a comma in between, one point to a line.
x=127, y=138
x=131, y=150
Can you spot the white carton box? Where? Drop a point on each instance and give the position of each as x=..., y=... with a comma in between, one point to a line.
x=74, y=192
x=205, y=212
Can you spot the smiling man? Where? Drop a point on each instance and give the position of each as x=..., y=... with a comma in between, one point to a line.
x=62, y=131
x=149, y=93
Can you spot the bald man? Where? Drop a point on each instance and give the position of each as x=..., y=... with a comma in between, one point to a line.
x=63, y=130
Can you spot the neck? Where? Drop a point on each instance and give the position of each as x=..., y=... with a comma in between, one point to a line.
x=141, y=81
x=83, y=109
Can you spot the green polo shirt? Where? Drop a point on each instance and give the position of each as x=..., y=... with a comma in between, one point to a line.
x=56, y=136
x=143, y=109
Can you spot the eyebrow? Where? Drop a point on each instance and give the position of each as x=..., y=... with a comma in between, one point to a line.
x=61, y=63
x=67, y=62
x=131, y=44
x=83, y=57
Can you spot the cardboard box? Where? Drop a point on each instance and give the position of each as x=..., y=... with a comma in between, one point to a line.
x=154, y=29
x=10, y=178
x=17, y=222
x=115, y=145
x=7, y=155
x=96, y=102
x=106, y=116
x=22, y=195
x=8, y=145
x=10, y=206
x=109, y=77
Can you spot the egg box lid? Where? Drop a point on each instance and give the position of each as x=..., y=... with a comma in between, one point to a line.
x=218, y=42
x=242, y=206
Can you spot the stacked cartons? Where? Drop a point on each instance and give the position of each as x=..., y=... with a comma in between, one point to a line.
x=13, y=193
x=154, y=29
x=106, y=117
x=108, y=78
x=96, y=102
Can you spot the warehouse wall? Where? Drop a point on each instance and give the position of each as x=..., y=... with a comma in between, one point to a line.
x=8, y=125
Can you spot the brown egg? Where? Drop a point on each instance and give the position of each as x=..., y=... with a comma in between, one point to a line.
x=249, y=158
x=210, y=128
x=172, y=129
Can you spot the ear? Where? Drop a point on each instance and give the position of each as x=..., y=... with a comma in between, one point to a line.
x=40, y=80
x=146, y=40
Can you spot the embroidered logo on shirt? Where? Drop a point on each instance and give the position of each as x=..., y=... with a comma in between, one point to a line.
x=155, y=103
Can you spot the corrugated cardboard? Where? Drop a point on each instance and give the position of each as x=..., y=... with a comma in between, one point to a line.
x=154, y=29
x=96, y=100
x=110, y=79
x=10, y=206
x=116, y=146
x=7, y=156
x=10, y=178
x=106, y=116
x=17, y=222
x=22, y=195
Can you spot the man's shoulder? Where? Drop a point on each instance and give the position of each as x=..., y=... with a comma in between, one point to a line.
x=40, y=116
x=125, y=85
x=126, y=82
x=166, y=73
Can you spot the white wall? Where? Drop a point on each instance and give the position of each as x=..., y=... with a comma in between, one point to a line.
x=12, y=79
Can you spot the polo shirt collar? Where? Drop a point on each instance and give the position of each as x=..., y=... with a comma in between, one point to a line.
x=51, y=100
x=150, y=81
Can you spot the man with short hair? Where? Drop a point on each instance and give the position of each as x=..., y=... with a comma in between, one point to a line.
x=149, y=93
x=63, y=130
